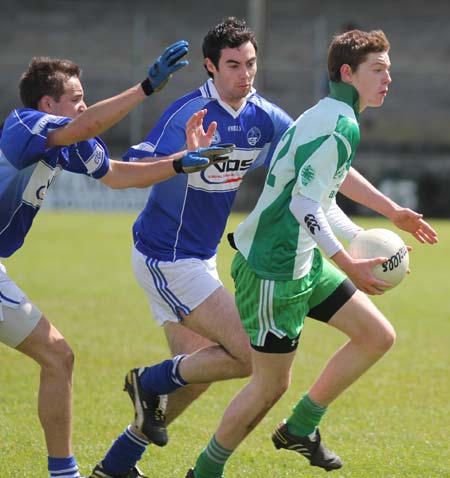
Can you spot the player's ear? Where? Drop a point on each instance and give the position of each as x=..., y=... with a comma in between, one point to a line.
x=45, y=104
x=346, y=73
x=209, y=65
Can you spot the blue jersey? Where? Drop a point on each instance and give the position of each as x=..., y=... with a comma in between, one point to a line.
x=186, y=216
x=27, y=168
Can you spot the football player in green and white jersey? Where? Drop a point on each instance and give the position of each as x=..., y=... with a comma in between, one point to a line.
x=280, y=275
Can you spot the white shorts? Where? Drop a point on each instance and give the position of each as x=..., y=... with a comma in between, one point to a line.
x=18, y=315
x=174, y=287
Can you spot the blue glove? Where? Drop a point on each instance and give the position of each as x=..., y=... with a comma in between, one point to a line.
x=202, y=158
x=162, y=69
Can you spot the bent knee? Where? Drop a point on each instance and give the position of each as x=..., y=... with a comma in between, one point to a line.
x=382, y=341
x=240, y=359
x=244, y=367
x=388, y=339
x=48, y=348
x=243, y=363
x=59, y=356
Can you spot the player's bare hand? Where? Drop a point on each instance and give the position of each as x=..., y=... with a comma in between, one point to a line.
x=360, y=273
x=196, y=136
x=410, y=221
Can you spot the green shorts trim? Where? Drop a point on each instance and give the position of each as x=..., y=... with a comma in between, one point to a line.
x=277, y=309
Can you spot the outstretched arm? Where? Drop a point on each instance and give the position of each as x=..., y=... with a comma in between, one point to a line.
x=359, y=189
x=122, y=175
x=104, y=114
x=144, y=173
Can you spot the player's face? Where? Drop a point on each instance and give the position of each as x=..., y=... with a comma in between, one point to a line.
x=71, y=103
x=235, y=73
x=372, y=80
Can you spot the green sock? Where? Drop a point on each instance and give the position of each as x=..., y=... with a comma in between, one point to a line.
x=306, y=417
x=211, y=462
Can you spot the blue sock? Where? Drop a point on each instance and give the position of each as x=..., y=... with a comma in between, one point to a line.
x=163, y=378
x=63, y=467
x=124, y=453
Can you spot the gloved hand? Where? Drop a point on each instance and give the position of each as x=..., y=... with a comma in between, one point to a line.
x=161, y=71
x=202, y=158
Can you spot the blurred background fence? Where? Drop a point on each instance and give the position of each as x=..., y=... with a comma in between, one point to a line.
x=405, y=146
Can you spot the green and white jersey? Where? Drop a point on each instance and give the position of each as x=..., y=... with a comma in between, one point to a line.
x=312, y=159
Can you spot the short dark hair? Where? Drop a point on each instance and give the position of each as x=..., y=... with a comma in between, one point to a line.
x=230, y=33
x=352, y=48
x=45, y=76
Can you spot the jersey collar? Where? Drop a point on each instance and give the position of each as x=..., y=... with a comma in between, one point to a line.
x=347, y=93
x=212, y=92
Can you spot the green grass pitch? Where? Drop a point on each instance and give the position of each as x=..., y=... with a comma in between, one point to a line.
x=392, y=423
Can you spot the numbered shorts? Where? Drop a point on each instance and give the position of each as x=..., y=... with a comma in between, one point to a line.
x=273, y=312
x=18, y=315
x=174, y=287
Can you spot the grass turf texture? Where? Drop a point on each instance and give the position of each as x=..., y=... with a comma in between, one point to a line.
x=76, y=267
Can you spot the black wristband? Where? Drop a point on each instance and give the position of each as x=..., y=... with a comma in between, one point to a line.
x=178, y=166
x=147, y=86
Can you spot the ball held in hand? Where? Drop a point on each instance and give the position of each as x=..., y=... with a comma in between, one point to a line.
x=378, y=242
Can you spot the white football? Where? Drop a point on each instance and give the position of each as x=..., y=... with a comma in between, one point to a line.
x=379, y=242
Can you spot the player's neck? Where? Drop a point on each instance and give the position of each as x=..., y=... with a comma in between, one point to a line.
x=233, y=103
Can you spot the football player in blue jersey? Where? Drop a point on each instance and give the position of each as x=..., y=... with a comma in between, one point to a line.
x=175, y=263
x=56, y=131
